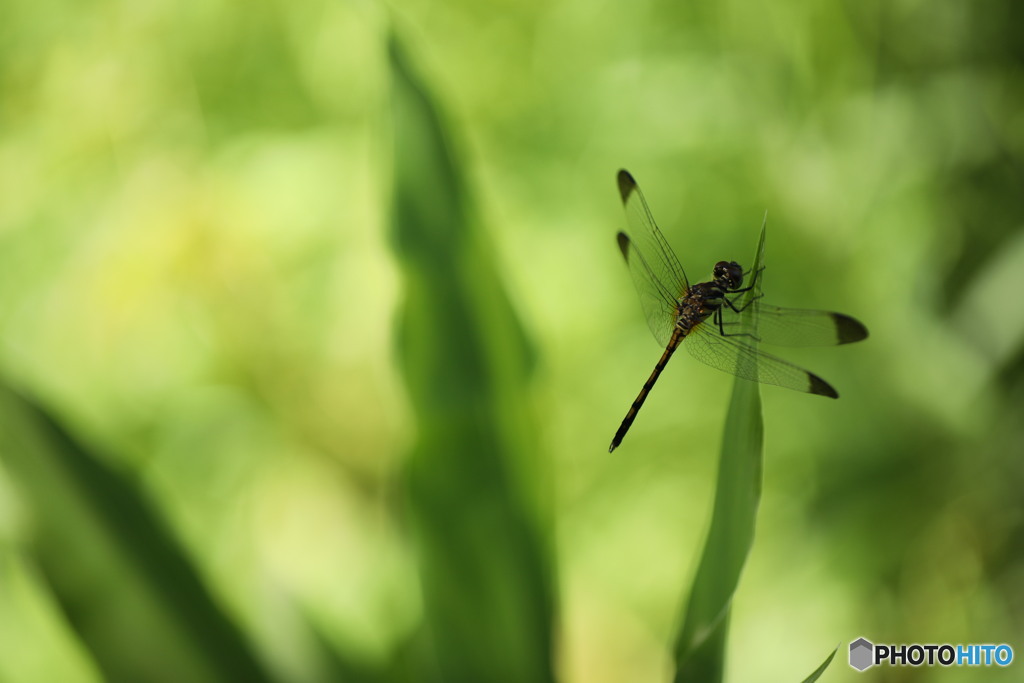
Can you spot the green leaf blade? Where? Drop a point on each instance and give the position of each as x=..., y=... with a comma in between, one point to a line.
x=700, y=643
x=111, y=560
x=483, y=556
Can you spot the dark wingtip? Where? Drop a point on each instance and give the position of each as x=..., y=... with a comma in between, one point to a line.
x=626, y=184
x=623, y=240
x=849, y=329
x=612, y=447
x=821, y=387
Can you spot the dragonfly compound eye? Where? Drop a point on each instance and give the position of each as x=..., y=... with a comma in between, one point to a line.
x=730, y=271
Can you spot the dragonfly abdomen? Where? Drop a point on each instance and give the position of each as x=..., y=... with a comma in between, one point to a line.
x=673, y=343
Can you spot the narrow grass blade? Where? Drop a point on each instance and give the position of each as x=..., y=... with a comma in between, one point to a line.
x=483, y=555
x=700, y=644
x=821, y=669
x=124, y=582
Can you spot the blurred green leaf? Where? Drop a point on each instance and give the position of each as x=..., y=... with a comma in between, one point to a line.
x=333, y=665
x=484, y=562
x=113, y=564
x=821, y=669
x=700, y=645
x=981, y=314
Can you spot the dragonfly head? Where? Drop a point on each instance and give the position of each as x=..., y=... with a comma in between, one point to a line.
x=728, y=274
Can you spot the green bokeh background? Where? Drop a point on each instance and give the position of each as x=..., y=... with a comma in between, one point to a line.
x=213, y=295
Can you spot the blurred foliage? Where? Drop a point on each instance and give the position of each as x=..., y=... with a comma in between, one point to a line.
x=108, y=559
x=483, y=559
x=239, y=305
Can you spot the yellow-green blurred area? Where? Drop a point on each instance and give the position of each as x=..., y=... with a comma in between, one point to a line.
x=209, y=292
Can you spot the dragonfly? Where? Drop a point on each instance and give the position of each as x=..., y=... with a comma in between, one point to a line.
x=721, y=321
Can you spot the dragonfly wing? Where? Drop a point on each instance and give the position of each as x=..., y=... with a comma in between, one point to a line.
x=659, y=306
x=802, y=327
x=736, y=356
x=657, y=274
x=793, y=326
x=645, y=233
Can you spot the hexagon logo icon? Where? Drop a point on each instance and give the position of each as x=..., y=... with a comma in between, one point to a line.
x=861, y=651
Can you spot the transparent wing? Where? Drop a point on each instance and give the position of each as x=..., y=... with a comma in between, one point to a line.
x=794, y=326
x=659, y=306
x=802, y=327
x=657, y=275
x=737, y=356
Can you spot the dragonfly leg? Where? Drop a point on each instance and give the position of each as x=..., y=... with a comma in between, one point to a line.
x=721, y=325
x=744, y=307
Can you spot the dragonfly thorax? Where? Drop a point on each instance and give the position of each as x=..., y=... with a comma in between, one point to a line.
x=728, y=275
x=700, y=301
